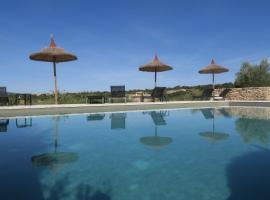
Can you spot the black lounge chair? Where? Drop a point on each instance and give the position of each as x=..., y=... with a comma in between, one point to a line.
x=159, y=93
x=95, y=99
x=27, y=98
x=118, y=92
x=206, y=95
x=3, y=96
x=222, y=95
x=3, y=125
x=225, y=92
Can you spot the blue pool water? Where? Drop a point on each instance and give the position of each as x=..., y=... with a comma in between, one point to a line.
x=189, y=154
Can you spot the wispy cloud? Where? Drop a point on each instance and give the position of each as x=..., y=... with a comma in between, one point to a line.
x=158, y=35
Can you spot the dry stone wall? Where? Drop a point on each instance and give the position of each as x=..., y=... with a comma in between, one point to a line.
x=245, y=94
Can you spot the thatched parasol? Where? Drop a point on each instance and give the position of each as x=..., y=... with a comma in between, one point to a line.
x=55, y=55
x=213, y=69
x=155, y=66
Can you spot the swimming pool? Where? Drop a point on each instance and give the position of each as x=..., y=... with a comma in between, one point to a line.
x=189, y=154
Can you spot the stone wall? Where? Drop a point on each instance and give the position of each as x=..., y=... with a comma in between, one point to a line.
x=245, y=94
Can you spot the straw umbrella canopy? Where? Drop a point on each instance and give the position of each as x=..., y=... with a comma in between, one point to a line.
x=213, y=69
x=155, y=66
x=55, y=55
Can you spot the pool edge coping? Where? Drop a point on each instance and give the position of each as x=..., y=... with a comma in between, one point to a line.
x=84, y=109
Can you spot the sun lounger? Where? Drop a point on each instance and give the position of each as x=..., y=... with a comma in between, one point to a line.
x=222, y=95
x=118, y=92
x=3, y=96
x=206, y=95
x=157, y=93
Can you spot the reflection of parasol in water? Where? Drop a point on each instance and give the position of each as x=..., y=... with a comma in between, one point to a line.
x=54, y=160
x=212, y=135
x=156, y=141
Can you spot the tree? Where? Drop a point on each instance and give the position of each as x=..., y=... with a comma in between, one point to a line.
x=253, y=75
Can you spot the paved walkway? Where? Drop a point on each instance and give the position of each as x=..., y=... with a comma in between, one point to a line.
x=12, y=111
x=16, y=111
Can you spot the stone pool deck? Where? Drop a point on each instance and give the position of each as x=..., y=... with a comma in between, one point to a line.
x=20, y=111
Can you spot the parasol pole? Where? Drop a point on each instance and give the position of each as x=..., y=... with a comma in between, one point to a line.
x=155, y=77
x=55, y=84
x=213, y=80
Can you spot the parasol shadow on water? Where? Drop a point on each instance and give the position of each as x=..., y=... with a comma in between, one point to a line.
x=213, y=135
x=156, y=142
x=54, y=160
x=55, y=55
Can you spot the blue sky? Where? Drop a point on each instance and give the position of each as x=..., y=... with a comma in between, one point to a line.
x=113, y=38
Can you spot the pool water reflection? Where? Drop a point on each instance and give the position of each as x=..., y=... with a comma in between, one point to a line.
x=206, y=154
